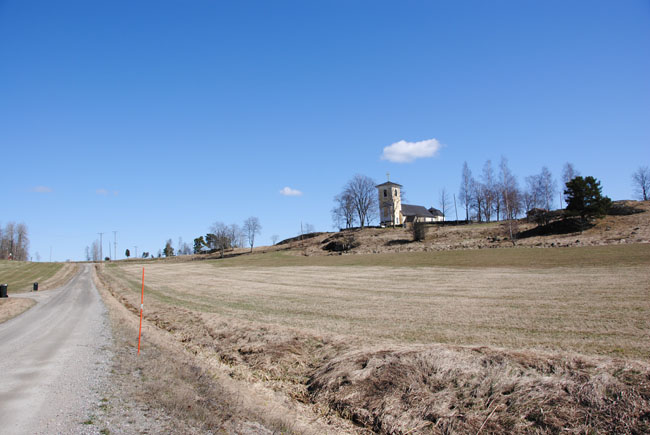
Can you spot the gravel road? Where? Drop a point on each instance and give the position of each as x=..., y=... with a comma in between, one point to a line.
x=54, y=360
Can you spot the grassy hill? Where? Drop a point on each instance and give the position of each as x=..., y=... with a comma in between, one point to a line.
x=21, y=275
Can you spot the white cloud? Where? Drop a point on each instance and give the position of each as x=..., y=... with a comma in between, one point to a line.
x=288, y=191
x=406, y=152
x=42, y=189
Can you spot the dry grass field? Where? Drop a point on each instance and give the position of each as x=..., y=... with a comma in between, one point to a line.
x=21, y=275
x=11, y=307
x=593, y=310
x=500, y=340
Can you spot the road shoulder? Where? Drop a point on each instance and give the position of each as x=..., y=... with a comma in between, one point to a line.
x=12, y=307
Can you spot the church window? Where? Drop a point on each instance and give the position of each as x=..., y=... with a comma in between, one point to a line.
x=385, y=193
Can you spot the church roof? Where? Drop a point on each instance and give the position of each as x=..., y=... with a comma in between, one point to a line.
x=415, y=210
x=388, y=183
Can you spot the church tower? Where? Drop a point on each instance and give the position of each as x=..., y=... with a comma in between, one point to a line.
x=390, y=203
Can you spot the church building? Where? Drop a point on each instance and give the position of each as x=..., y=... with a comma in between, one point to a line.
x=393, y=212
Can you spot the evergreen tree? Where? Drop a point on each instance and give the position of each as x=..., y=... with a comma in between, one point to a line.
x=585, y=199
x=169, y=250
x=199, y=243
x=127, y=253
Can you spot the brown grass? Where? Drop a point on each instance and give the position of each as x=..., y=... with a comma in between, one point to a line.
x=174, y=373
x=163, y=376
x=11, y=307
x=590, y=310
x=445, y=389
x=62, y=276
x=361, y=342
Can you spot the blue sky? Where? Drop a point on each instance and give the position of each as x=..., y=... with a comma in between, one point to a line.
x=157, y=119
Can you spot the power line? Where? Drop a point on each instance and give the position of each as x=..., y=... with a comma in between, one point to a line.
x=115, y=245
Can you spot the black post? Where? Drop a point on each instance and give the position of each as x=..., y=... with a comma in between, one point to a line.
x=35, y=286
x=3, y=291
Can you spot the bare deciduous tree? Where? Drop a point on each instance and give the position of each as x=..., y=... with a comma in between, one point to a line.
x=22, y=242
x=444, y=201
x=541, y=189
x=236, y=236
x=477, y=204
x=506, y=193
x=252, y=227
x=183, y=247
x=7, y=241
x=569, y=172
x=532, y=196
x=509, y=190
x=274, y=238
x=489, y=190
x=96, y=256
x=14, y=242
x=465, y=194
x=548, y=187
x=641, y=180
x=306, y=228
x=528, y=198
x=361, y=191
x=343, y=211
x=220, y=237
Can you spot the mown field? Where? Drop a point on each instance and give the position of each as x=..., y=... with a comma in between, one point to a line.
x=21, y=275
x=590, y=300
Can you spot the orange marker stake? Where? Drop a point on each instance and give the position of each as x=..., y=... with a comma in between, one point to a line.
x=141, y=308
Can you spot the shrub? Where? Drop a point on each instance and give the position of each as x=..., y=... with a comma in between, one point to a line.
x=419, y=231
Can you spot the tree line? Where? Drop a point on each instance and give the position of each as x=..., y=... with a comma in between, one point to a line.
x=493, y=193
x=222, y=237
x=496, y=195
x=14, y=242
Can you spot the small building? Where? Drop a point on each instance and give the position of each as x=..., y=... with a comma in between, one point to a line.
x=393, y=212
x=418, y=213
x=437, y=214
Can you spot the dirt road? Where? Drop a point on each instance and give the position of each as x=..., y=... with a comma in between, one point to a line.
x=53, y=360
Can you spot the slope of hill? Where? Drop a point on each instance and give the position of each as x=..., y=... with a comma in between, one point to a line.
x=610, y=230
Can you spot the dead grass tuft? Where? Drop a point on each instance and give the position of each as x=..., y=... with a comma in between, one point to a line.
x=452, y=389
